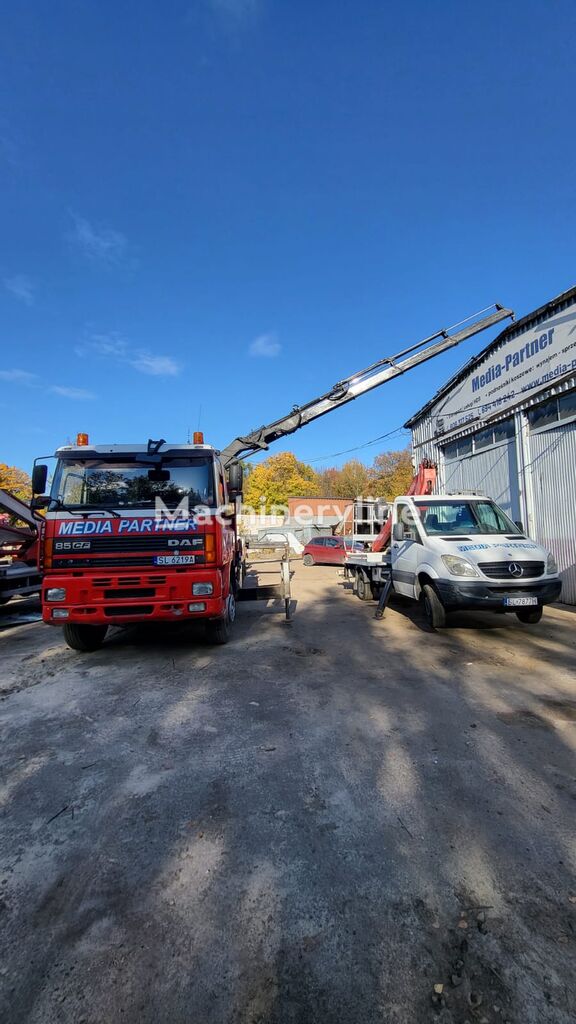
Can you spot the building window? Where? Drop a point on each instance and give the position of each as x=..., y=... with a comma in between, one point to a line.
x=497, y=434
x=567, y=405
x=483, y=439
x=543, y=414
x=503, y=431
x=450, y=451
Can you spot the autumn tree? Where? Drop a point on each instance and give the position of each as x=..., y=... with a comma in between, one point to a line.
x=353, y=480
x=16, y=481
x=391, y=474
x=278, y=478
x=328, y=481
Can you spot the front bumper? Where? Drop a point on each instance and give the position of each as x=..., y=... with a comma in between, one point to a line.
x=121, y=599
x=456, y=594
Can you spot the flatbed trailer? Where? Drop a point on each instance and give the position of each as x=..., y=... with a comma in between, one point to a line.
x=19, y=571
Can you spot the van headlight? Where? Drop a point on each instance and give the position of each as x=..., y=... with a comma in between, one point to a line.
x=459, y=566
x=551, y=567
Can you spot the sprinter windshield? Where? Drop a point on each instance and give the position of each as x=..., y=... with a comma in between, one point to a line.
x=463, y=518
x=125, y=483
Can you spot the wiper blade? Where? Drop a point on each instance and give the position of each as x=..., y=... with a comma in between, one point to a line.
x=57, y=503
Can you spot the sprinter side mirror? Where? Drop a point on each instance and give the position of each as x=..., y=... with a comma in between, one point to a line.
x=235, y=480
x=519, y=524
x=398, y=531
x=39, y=478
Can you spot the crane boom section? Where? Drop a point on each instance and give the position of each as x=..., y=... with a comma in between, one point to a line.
x=365, y=380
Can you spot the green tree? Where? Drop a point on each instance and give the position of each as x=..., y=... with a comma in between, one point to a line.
x=391, y=474
x=278, y=478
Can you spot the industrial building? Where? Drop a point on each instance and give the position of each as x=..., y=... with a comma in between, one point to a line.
x=505, y=425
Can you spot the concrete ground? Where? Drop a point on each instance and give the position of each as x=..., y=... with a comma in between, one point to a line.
x=317, y=823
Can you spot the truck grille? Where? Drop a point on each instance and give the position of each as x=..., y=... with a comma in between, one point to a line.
x=127, y=562
x=505, y=571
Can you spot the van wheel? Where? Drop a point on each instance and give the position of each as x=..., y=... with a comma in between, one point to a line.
x=219, y=631
x=529, y=615
x=84, y=638
x=308, y=560
x=363, y=588
x=433, y=607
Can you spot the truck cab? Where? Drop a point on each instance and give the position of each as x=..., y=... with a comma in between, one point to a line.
x=461, y=551
x=137, y=533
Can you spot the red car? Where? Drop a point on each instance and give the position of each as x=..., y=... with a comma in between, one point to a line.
x=328, y=550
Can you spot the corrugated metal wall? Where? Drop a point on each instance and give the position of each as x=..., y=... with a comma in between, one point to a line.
x=553, y=471
x=493, y=471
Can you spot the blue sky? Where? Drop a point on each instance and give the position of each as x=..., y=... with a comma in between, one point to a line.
x=215, y=209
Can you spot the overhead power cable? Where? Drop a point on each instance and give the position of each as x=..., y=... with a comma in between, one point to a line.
x=366, y=444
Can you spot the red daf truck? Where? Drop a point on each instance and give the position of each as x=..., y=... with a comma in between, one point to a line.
x=139, y=533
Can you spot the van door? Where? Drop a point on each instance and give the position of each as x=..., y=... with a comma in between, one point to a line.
x=406, y=553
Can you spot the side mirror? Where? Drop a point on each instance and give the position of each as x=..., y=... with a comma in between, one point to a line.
x=235, y=479
x=519, y=524
x=39, y=478
x=40, y=501
x=398, y=531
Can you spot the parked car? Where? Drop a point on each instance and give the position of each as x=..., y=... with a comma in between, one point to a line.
x=328, y=550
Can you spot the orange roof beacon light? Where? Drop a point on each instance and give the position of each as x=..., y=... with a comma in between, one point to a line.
x=82, y=440
x=198, y=437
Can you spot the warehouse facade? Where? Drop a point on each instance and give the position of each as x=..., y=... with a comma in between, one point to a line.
x=505, y=425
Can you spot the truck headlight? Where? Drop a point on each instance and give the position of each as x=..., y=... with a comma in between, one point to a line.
x=551, y=567
x=56, y=594
x=459, y=566
x=202, y=589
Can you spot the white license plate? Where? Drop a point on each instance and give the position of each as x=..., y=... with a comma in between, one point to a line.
x=519, y=602
x=174, y=559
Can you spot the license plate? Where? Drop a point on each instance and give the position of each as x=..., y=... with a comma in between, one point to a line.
x=174, y=559
x=519, y=602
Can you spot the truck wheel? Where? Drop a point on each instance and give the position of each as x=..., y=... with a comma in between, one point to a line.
x=84, y=638
x=529, y=615
x=218, y=631
x=433, y=607
x=307, y=560
x=363, y=588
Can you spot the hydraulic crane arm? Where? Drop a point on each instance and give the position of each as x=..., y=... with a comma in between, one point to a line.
x=365, y=380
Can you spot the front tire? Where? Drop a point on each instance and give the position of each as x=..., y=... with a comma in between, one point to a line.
x=84, y=638
x=530, y=615
x=219, y=631
x=307, y=560
x=433, y=608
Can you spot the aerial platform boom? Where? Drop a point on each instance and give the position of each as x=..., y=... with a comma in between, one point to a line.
x=360, y=383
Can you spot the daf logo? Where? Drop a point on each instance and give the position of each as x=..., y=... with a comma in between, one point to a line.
x=515, y=570
x=177, y=542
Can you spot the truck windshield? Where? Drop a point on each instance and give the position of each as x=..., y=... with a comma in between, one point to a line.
x=459, y=518
x=124, y=483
